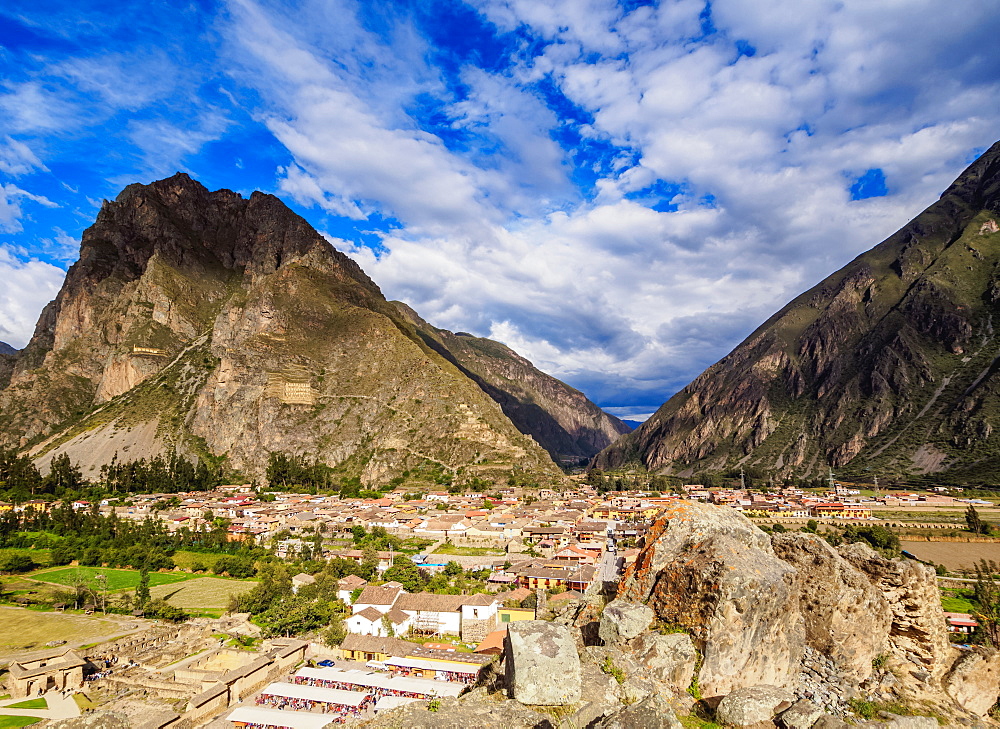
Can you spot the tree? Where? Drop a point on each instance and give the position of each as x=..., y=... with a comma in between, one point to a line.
x=453, y=568
x=987, y=594
x=142, y=589
x=975, y=524
x=334, y=635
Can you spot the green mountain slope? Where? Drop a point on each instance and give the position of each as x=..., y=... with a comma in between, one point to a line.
x=212, y=325
x=888, y=367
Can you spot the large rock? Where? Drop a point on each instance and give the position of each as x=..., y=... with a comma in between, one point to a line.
x=668, y=659
x=801, y=715
x=974, y=681
x=542, y=664
x=846, y=617
x=710, y=570
x=653, y=712
x=917, y=631
x=623, y=620
x=462, y=713
x=753, y=706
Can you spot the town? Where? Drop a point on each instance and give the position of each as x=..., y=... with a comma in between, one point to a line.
x=530, y=550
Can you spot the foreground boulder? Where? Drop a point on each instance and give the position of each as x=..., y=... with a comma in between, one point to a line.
x=974, y=681
x=653, y=712
x=458, y=714
x=753, y=706
x=710, y=570
x=918, y=633
x=801, y=715
x=846, y=617
x=667, y=659
x=542, y=665
x=623, y=620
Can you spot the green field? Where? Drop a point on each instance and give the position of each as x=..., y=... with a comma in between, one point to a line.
x=9, y=722
x=203, y=593
x=117, y=579
x=186, y=560
x=29, y=704
x=446, y=549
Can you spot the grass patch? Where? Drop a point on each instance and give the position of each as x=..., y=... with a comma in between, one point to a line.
x=187, y=560
x=25, y=630
x=29, y=704
x=468, y=551
x=8, y=722
x=84, y=702
x=695, y=722
x=118, y=579
x=201, y=593
x=958, y=602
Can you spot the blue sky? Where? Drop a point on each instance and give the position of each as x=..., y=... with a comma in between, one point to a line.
x=621, y=191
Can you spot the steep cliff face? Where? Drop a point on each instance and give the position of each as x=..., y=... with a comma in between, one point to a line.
x=889, y=366
x=212, y=324
x=563, y=421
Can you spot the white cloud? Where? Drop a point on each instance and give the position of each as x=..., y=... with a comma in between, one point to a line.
x=28, y=286
x=11, y=197
x=16, y=158
x=624, y=301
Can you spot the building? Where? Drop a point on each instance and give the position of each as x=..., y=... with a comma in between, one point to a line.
x=58, y=669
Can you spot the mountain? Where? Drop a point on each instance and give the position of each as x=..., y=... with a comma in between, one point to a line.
x=8, y=357
x=889, y=367
x=217, y=326
x=570, y=427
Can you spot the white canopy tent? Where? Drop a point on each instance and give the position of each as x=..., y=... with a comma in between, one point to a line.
x=275, y=717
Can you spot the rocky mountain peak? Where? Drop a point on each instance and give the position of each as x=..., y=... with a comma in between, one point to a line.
x=886, y=367
x=189, y=226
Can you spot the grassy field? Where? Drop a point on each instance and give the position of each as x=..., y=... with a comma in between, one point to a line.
x=207, y=593
x=26, y=630
x=29, y=704
x=117, y=579
x=38, y=556
x=957, y=601
x=187, y=560
x=9, y=722
x=953, y=555
x=446, y=549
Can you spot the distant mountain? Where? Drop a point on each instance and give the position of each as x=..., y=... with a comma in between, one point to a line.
x=7, y=349
x=218, y=326
x=563, y=421
x=632, y=424
x=889, y=367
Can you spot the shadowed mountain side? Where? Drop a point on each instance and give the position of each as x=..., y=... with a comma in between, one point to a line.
x=563, y=421
x=887, y=367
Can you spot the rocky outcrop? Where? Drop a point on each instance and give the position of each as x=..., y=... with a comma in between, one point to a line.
x=899, y=341
x=711, y=571
x=462, y=714
x=974, y=681
x=653, y=712
x=542, y=664
x=622, y=621
x=847, y=618
x=207, y=324
x=669, y=659
x=753, y=706
x=917, y=630
x=800, y=715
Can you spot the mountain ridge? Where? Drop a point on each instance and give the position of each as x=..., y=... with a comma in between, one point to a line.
x=222, y=327
x=888, y=364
